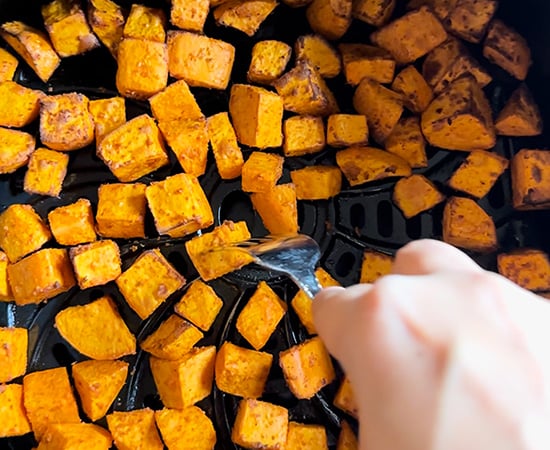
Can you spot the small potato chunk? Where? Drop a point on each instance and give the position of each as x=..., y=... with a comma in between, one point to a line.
x=96, y=330
x=414, y=89
x=306, y=437
x=478, y=173
x=329, y=18
x=200, y=60
x=269, y=61
x=361, y=60
x=303, y=135
x=5, y=289
x=33, y=46
x=530, y=180
x=373, y=12
x=317, y=182
x=95, y=264
x=98, y=384
x=416, y=194
x=407, y=142
x=8, y=65
x=530, y=269
x=411, y=36
x=467, y=225
x=460, y=118
x=244, y=15
x=108, y=115
x=107, y=21
x=374, y=266
x=319, y=53
x=278, y=209
x=520, y=116
x=507, y=49
x=223, y=139
x=261, y=171
x=12, y=411
x=145, y=23
x=68, y=29
x=148, y=282
x=186, y=429
x=200, y=305
x=46, y=172
x=69, y=436
x=73, y=224
x=13, y=353
x=189, y=14
x=344, y=130
x=469, y=19
x=174, y=102
x=363, y=164
x=136, y=429
x=347, y=439
x=16, y=148
x=19, y=106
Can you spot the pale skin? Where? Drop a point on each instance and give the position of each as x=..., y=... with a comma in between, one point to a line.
x=442, y=355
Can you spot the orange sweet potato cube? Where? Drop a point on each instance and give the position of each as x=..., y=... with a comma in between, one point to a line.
x=71, y=436
x=261, y=171
x=319, y=53
x=469, y=18
x=361, y=60
x=200, y=305
x=134, y=429
x=149, y=281
x=186, y=429
x=373, y=12
x=176, y=101
x=317, y=182
x=344, y=130
x=242, y=372
x=186, y=381
x=95, y=264
x=520, y=116
x=223, y=139
x=406, y=141
x=416, y=194
x=14, y=416
x=49, y=399
x=306, y=437
x=278, y=208
x=530, y=180
x=16, y=148
x=8, y=65
x=260, y=425
x=5, y=289
x=108, y=114
x=73, y=224
x=414, y=89
x=145, y=23
x=107, y=21
x=347, y=439
x=375, y=265
x=96, y=330
x=46, y=172
x=345, y=399
x=98, y=384
x=19, y=106
x=303, y=135
x=329, y=18
x=269, y=60
x=121, y=210
x=13, y=353
x=244, y=15
x=307, y=368
x=189, y=14
x=530, y=269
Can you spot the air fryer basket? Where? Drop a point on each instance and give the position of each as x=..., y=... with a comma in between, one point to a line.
x=357, y=219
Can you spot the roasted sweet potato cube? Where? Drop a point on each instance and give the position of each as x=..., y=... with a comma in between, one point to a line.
x=411, y=36
x=460, y=118
x=13, y=353
x=186, y=429
x=364, y=164
x=186, y=381
x=303, y=135
x=329, y=18
x=98, y=384
x=257, y=116
x=134, y=429
x=96, y=330
x=134, y=149
x=145, y=23
x=44, y=389
x=307, y=368
x=467, y=225
x=149, y=281
x=344, y=130
x=223, y=139
x=528, y=268
x=69, y=436
x=189, y=14
x=19, y=105
x=242, y=372
x=108, y=114
x=261, y=171
x=347, y=439
x=244, y=15
x=305, y=92
x=361, y=60
x=8, y=65
x=16, y=148
x=173, y=339
x=176, y=101
x=33, y=46
x=306, y=437
x=414, y=89
x=407, y=142
x=200, y=60
x=416, y=194
x=107, y=21
x=373, y=12
x=68, y=29
x=5, y=289
x=73, y=224
x=530, y=180
x=319, y=53
x=478, y=173
x=469, y=19
x=46, y=172
x=375, y=265
x=95, y=264
x=200, y=305
x=520, y=116
x=269, y=60
x=382, y=106
x=212, y=265
x=278, y=209
x=14, y=416
x=317, y=182
x=506, y=48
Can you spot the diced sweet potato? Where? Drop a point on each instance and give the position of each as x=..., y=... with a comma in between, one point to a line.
x=189, y=14
x=460, y=118
x=176, y=101
x=469, y=19
x=69, y=436
x=6, y=294
x=16, y=148
x=375, y=265
x=347, y=439
x=414, y=89
x=73, y=224
x=95, y=264
x=13, y=353
x=530, y=269
x=8, y=65
x=98, y=384
x=227, y=153
x=278, y=209
x=108, y=114
x=319, y=53
x=242, y=372
x=107, y=21
x=96, y=330
x=416, y=194
x=407, y=142
x=200, y=305
x=261, y=171
x=329, y=18
x=46, y=172
x=14, y=416
x=149, y=281
x=145, y=23
x=186, y=429
x=317, y=182
x=361, y=60
x=244, y=15
x=478, y=173
x=520, y=116
x=303, y=135
x=363, y=164
x=269, y=60
x=344, y=130
x=467, y=225
x=306, y=437
x=133, y=430
x=19, y=105
x=373, y=12
x=441, y=8
x=530, y=179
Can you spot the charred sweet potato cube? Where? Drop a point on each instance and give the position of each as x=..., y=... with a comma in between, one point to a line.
x=69, y=436
x=19, y=105
x=242, y=372
x=344, y=130
x=16, y=148
x=145, y=23
x=134, y=429
x=5, y=289
x=329, y=18
x=467, y=225
x=107, y=21
x=96, y=330
x=244, y=15
x=33, y=46
x=200, y=60
x=108, y=114
x=414, y=89
x=189, y=14
x=13, y=353
x=22, y=231
x=303, y=135
x=363, y=164
x=260, y=425
x=307, y=368
x=14, y=416
x=148, y=282
x=382, y=106
x=375, y=265
x=520, y=116
x=186, y=429
x=361, y=60
x=200, y=305
x=49, y=399
x=306, y=437
x=411, y=36
x=416, y=194
x=261, y=171
x=319, y=53
x=347, y=439
x=305, y=92
x=317, y=182
x=528, y=268
x=186, y=381
x=46, y=172
x=460, y=118
x=257, y=116
x=73, y=224
x=269, y=60
x=223, y=139
x=469, y=19
x=98, y=384
x=134, y=149
x=174, y=102
x=212, y=265
x=530, y=180
x=8, y=65
x=373, y=12
x=95, y=264
x=68, y=29
x=278, y=208
x=506, y=48
x=406, y=141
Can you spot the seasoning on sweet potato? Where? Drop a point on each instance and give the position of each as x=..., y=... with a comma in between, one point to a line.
x=261, y=171
x=361, y=60
x=46, y=172
x=373, y=12
x=135, y=429
x=95, y=264
x=223, y=139
x=520, y=115
x=8, y=64
x=347, y=439
x=469, y=19
x=344, y=130
x=345, y=399
x=317, y=182
x=6, y=294
x=303, y=135
x=13, y=353
x=174, y=102
x=528, y=268
x=108, y=114
x=73, y=224
x=329, y=18
x=19, y=106
x=306, y=437
x=200, y=305
x=416, y=194
x=375, y=265
x=12, y=411
x=530, y=179
x=406, y=141
x=189, y=14
x=414, y=89
x=269, y=60
x=244, y=15
x=107, y=21
x=16, y=148
x=145, y=23
x=278, y=208
x=186, y=429
x=68, y=436
x=319, y=53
